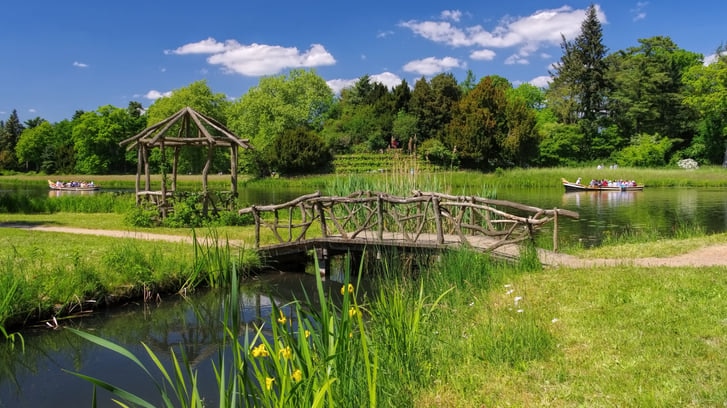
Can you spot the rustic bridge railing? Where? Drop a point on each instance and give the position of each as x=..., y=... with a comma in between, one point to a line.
x=425, y=218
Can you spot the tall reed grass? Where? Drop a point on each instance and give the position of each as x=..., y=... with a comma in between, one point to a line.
x=350, y=347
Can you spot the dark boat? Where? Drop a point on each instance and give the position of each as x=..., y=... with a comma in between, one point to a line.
x=72, y=186
x=614, y=186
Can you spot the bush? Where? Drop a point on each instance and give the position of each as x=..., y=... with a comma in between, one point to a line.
x=645, y=150
x=298, y=151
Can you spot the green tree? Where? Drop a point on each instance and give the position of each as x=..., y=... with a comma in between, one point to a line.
x=648, y=91
x=706, y=92
x=432, y=104
x=298, y=151
x=478, y=126
x=12, y=129
x=96, y=137
x=275, y=105
x=579, y=86
x=405, y=129
x=32, y=145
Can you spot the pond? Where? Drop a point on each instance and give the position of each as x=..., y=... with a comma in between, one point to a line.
x=37, y=378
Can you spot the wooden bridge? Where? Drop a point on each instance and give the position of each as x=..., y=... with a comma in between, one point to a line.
x=424, y=221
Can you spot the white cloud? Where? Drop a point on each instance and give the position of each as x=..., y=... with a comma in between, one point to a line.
x=384, y=34
x=516, y=59
x=431, y=65
x=388, y=79
x=256, y=59
x=32, y=110
x=454, y=15
x=638, y=12
x=483, y=55
x=709, y=59
x=541, y=81
x=154, y=94
x=79, y=64
x=529, y=33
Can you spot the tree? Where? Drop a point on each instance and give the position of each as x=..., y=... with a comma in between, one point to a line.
x=706, y=92
x=404, y=129
x=432, y=104
x=33, y=143
x=278, y=104
x=298, y=151
x=96, y=137
x=579, y=87
x=648, y=91
x=12, y=130
x=478, y=125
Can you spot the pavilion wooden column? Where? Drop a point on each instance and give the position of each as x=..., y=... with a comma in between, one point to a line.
x=174, y=168
x=233, y=169
x=137, y=181
x=163, y=200
x=147, y=171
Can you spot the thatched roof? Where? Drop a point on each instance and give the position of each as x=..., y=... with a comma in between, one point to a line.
x=195, y=129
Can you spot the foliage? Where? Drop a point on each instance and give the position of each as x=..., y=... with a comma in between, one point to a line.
x=96, y=137
x=706, y=92
x=434, y=151
x=648, y=91
x=560, y=145
x=278, y=104
x=579, y=84
x=645, y=150
x=298, y=151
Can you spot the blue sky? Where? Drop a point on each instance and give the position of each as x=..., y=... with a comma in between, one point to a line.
x=62, y=56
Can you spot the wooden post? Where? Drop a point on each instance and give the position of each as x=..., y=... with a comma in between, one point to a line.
x=164, y=182
x=256, y=216
x=139, y=164
x=322, y=216
x=380, y=215
x=205, y=172
x=555, y=230
x=438, y=220
x=147, y=170
x=233, y=170
x=174, y=168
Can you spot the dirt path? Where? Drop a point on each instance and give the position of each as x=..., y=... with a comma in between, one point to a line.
x=713, y=255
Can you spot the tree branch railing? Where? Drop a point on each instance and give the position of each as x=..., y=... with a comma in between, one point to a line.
x=425, y=217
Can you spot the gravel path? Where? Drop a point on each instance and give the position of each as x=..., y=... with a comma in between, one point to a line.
x=714, y=255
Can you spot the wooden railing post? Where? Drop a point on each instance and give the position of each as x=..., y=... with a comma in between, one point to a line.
x=438, y=220
x=322, y=216
x=555, y=230
x=380, y=220
x=256, y=215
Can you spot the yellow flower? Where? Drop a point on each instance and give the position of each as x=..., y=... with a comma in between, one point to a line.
x=307, y=333
x=297, y=375
x=350, y=289
x=286, y=352
x=352, y=312
x=260, y=351
x=269, y=383
x=282, y=318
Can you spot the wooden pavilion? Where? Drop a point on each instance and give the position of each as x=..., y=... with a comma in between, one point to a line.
x=193, y=129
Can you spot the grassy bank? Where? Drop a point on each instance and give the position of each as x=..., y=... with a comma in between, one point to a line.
x=49, y=274
x=472, y=332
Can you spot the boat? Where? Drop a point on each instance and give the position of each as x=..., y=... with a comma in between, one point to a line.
x=601, y=186
x=72, y=186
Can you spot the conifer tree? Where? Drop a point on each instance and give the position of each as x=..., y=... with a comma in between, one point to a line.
x=579, y=89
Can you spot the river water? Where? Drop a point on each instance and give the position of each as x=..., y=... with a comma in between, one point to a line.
x=39, y=377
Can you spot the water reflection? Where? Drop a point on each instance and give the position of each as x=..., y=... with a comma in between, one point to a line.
x=191, y=325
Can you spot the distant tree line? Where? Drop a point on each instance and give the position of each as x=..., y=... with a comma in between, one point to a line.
x=648, y=105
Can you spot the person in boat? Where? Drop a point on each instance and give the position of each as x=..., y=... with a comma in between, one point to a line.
x=578, y=181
